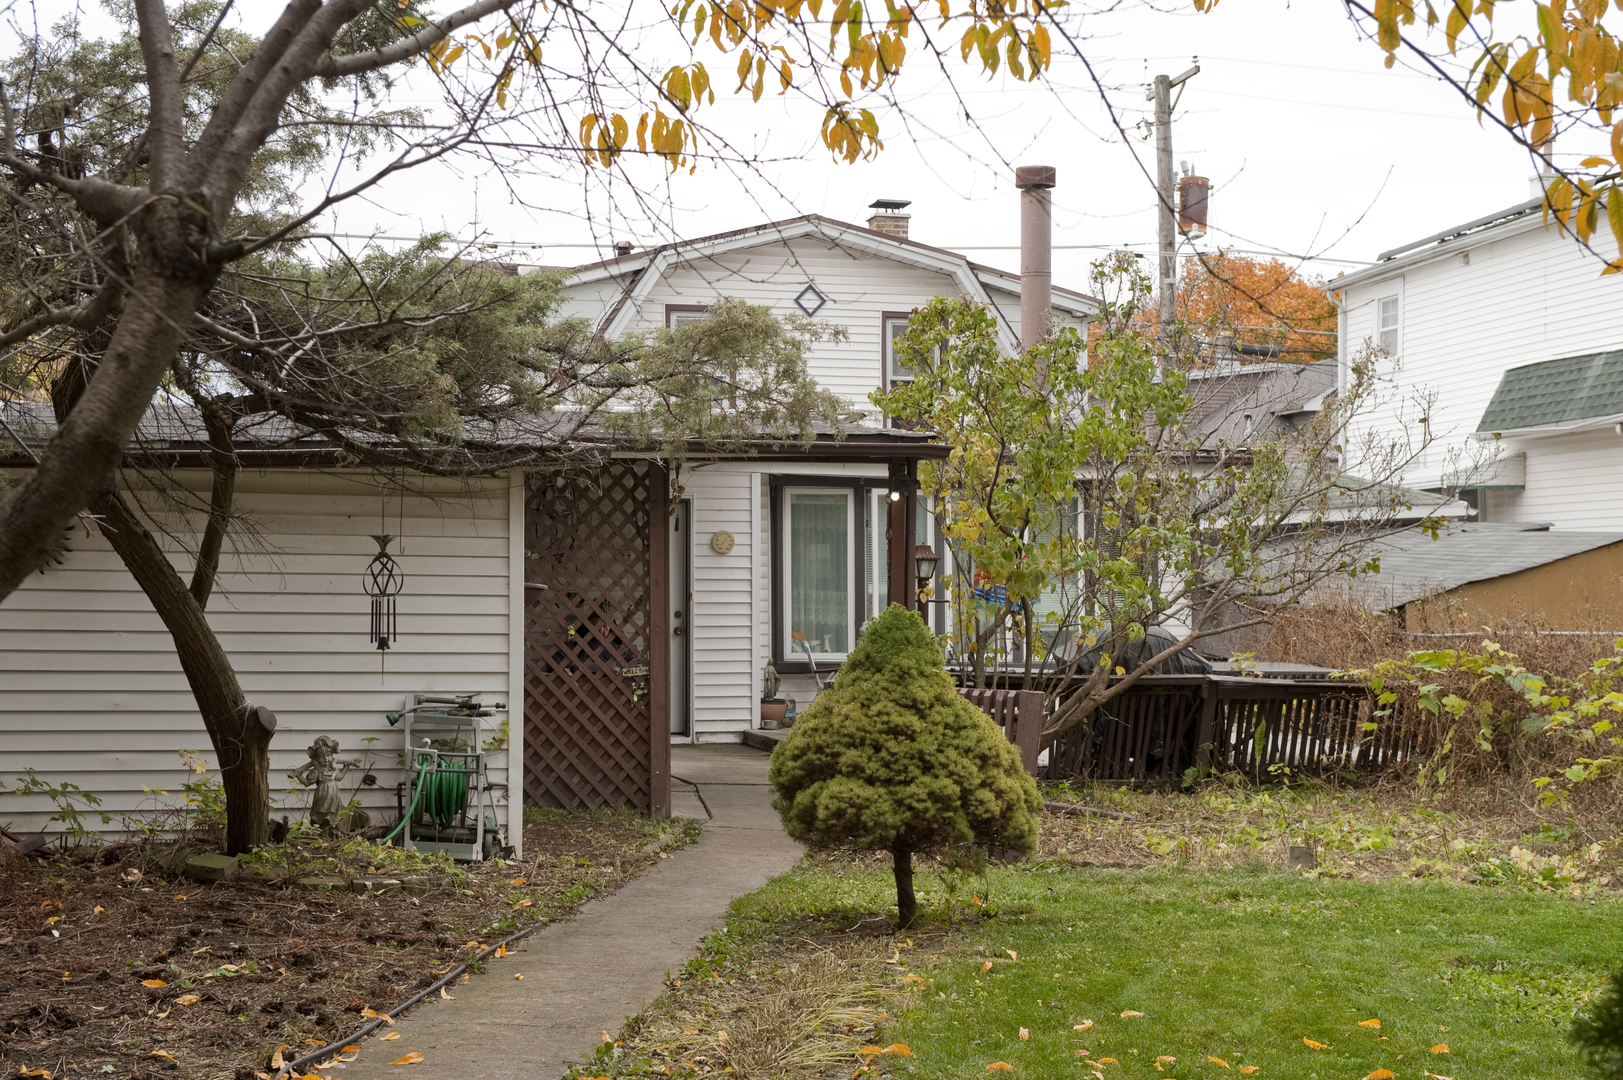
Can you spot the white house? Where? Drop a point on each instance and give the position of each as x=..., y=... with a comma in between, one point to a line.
x=1499, y=337
x=607, y=622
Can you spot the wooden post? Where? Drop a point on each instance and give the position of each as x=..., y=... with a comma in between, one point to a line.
x=1206, y=733
x=1028, y=730
x=659, y=645
x=899, y=540
x=910, y=501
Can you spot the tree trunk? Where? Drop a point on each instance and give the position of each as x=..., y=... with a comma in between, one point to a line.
x=240, y=733
x=80, y=462
x=907, y=904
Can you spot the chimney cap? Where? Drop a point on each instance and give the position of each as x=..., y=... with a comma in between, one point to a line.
x=890, y=205
x=1034, y=176
x=622, y=248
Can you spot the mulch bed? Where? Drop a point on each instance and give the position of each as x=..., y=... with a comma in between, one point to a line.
x=111, y=963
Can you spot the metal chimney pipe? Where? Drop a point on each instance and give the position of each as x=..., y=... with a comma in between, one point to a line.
x=1036, y=250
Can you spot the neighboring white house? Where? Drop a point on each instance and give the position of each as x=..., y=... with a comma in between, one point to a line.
x=760, y=547
x=807, y=542
x=1495, y=336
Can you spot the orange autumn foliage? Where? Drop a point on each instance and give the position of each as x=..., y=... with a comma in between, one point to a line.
x=1259, y=302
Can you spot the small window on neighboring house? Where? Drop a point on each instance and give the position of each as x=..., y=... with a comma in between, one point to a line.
x=1388, y=337
x=895, y=328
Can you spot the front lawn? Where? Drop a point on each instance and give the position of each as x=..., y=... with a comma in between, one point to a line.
x=1248, y=968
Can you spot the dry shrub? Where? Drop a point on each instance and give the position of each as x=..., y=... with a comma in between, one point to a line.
x=805, y=1019
x=1354, y=639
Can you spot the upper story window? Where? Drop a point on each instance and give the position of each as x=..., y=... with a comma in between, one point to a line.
x=1387, y=336
x=893, y=329
x=680, y=315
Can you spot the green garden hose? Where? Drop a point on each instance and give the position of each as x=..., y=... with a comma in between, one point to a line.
x=442, y=792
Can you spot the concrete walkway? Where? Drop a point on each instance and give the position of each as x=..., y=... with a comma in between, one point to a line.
x=585, y=976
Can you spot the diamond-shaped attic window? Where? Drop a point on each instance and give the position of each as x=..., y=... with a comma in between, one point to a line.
x=810, y=300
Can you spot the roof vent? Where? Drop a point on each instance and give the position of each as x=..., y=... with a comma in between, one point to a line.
x=622, y=248
x=888, y=217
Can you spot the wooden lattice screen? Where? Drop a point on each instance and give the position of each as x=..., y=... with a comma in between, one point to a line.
x=596, y=639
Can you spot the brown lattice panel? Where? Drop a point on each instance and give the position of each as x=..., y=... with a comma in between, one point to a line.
x=587, y=636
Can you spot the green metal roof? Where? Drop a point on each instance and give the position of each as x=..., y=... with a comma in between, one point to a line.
x=1557, y=391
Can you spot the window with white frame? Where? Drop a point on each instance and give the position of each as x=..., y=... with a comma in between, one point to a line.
x=1387, y=337
x=894, y=329
x=680, y=315
x=819, y=580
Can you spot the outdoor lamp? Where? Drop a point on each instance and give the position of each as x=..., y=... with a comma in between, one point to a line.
x=925, y=558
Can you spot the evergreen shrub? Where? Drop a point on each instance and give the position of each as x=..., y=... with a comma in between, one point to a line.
x=892, y=758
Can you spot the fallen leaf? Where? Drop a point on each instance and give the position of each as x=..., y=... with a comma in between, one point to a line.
x=46, y=1073
x=188, y=999
x=161, y=1053
x=444, y=996
x=526, y=902
x=1217, y=1061
x=1000, y=1066
x=868, y=1051
x=276, y=1061
x=1440, y=1048
x=350, y=1049
x=1130, y=1012
x=1369, y=1024
x=182, y=896
x=1249, y=1069
x=165, y=1013
x=1083, y=1026
x=501, y=951
x=1109, y=1061
x=386, y=1038
x=518, y=976
x=607, y=1037
x=1024, y=1034
x=154, y=983
x=99, y=910
x=516, y=881
x=899, y=1049
x=695, y=1031
x=1381, y=1074
x=986, y=967
x=1434, y=1076
x=975, y=899
x=1168, y=1059
x=470, y=944
x=1083, y=1053
x=911, y=980
x=53, y=919
x=413, y=1058
x=1311, y=1045
x=1012, y=954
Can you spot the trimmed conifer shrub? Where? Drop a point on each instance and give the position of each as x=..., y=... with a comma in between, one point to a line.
x=1598, y=1034
x=891, y=758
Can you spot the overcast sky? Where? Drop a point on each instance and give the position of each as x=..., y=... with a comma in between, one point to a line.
x=1313, y=148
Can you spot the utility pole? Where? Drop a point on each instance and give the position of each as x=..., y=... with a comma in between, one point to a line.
x=1167, y=197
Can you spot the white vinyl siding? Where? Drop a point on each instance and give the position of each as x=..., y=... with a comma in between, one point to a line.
x=724, y=695
x=1526, y=295
x=94, y=694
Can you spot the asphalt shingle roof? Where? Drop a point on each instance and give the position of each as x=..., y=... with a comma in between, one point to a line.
x=1557, y=391
x=1413, y=565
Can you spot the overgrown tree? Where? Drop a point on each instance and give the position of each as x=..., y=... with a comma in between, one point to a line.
x=1084, y=504
x=139, y=244
x=891, y=758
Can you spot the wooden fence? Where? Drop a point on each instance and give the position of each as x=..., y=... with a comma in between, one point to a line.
x=1019, y=713
x=1166, y=724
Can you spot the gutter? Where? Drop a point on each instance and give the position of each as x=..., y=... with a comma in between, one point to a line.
x=1548, y=431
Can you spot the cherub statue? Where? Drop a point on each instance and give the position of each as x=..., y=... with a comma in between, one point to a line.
x=324, y=770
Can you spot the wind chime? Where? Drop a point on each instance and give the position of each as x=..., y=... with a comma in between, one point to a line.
x=383, y=581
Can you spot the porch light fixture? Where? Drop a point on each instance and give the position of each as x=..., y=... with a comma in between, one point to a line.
x=810, y=301
x=925, y=559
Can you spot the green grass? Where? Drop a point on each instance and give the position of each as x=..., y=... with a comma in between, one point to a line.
x=1236, y=965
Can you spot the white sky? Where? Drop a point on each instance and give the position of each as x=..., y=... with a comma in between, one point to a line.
x=1312, y=147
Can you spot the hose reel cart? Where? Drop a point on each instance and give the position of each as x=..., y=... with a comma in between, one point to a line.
x=446, y=793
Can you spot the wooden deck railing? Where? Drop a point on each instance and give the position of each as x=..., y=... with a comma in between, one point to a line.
x=1166, y=724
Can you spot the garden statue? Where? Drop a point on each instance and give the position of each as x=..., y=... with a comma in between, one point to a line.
x=324, y=770
x=770, y=681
